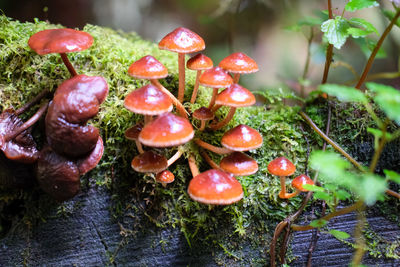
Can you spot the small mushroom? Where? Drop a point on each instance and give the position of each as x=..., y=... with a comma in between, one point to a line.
x=132, y=133
x=238, y=63
x=151, y=69
x=198, y=63
x=215, y=78
x=182, y=41
x=239, y=164
x=203, y=114
x=75, y=101
x=165, y=177
x=60, y=41
x=242, y=138
x=215, y=187
x=282, y=167
x=298, y=183
x=149, y=162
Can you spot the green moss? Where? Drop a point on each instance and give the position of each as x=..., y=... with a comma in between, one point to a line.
x=250, y=222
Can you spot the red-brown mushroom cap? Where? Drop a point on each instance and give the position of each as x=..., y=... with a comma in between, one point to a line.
x=215, y=187
x=199, y=62
x=301, y=180
x=239, y=164
x=215, y=77
x=239, y=63
x=90, y=161
x=182, y=40
x=166, y=130
x=132, y=133
x=203, y=114
x=60, y=41
x=242, y=138
x=281, y=167
x=235, y=96
x=147, y=68
x=149, y=162
x=148, y=100
x=165, y=177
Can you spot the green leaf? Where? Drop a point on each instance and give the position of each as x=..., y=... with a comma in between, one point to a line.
x=342, y=195
x=339, y=234
x=336, y=31
x=390, y=15
x=392, y=175
x=378, y=133
x=370, y=188
x=388, y=99
x=312, y=187
x=354, y=5
x=318, y=223
x=364, y=28
x=322, y=195
x=344, y=93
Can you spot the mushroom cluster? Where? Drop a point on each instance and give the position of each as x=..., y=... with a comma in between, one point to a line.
x=162, y=128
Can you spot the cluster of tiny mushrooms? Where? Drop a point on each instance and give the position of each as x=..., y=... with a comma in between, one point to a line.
x=73, y=148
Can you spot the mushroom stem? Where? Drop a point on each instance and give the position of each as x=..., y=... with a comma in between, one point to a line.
x=139, y=146
x=195, y=88
x=213, y=97
x=181, y=63
x=181, y=109
x=218, y=150
x=31, y=103
x=215, y=108
x=175, y=157
x=147, y=119
x=209, y=160
x=202, y=125
x=27, y=124
x=236, y=77
x=225, y=121
x=68, y=64
x=192, y=165
x=283, y=186
x=289, y=195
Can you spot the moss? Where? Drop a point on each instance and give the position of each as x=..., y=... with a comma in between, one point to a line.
x=249, y=222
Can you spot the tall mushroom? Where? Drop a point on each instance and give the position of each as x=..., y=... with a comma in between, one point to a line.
x=238, y=63
x=215, y=78
x=282, y=167
x=182, y=41
x=198, y=63
x=60, y=41
x=151, y=69
x=234, y=96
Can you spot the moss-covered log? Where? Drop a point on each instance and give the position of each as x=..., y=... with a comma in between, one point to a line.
x=239, y=233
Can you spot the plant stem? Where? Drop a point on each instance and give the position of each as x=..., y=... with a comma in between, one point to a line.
x=225, y=121
x=175, y=157
x=181, y=109
x=358, y=236
x=330, y=141
x=375, y=51
x=192, y=165
x=381, y=145
x=307, y=63
x=181, y=64
x=336, y=213
x=209, y=160
x=329, y=50
x=195, y=88
x=68, y=64
x=213, y=97
x=31, y=103
x=218, y=150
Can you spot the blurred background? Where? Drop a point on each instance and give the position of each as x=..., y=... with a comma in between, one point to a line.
x=258, y=28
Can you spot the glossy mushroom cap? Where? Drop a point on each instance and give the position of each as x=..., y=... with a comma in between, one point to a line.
x=90, y=161
x=182, y=40
x=281, y=167
x=215, y=187
x=199, y=62
x=239, y=164
x=215, y=77
x=301, y=180
x=165, y=177
x=203, y=113
x=166, y=130
x=147, y=68
x=76, y=101
x=22, y=148
x=133, y=132
x=148, y=100
x=235, y=96
x=239, y=63
x=60, y=41
x=242, y=138
x=149, y=162
x=57, y=175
